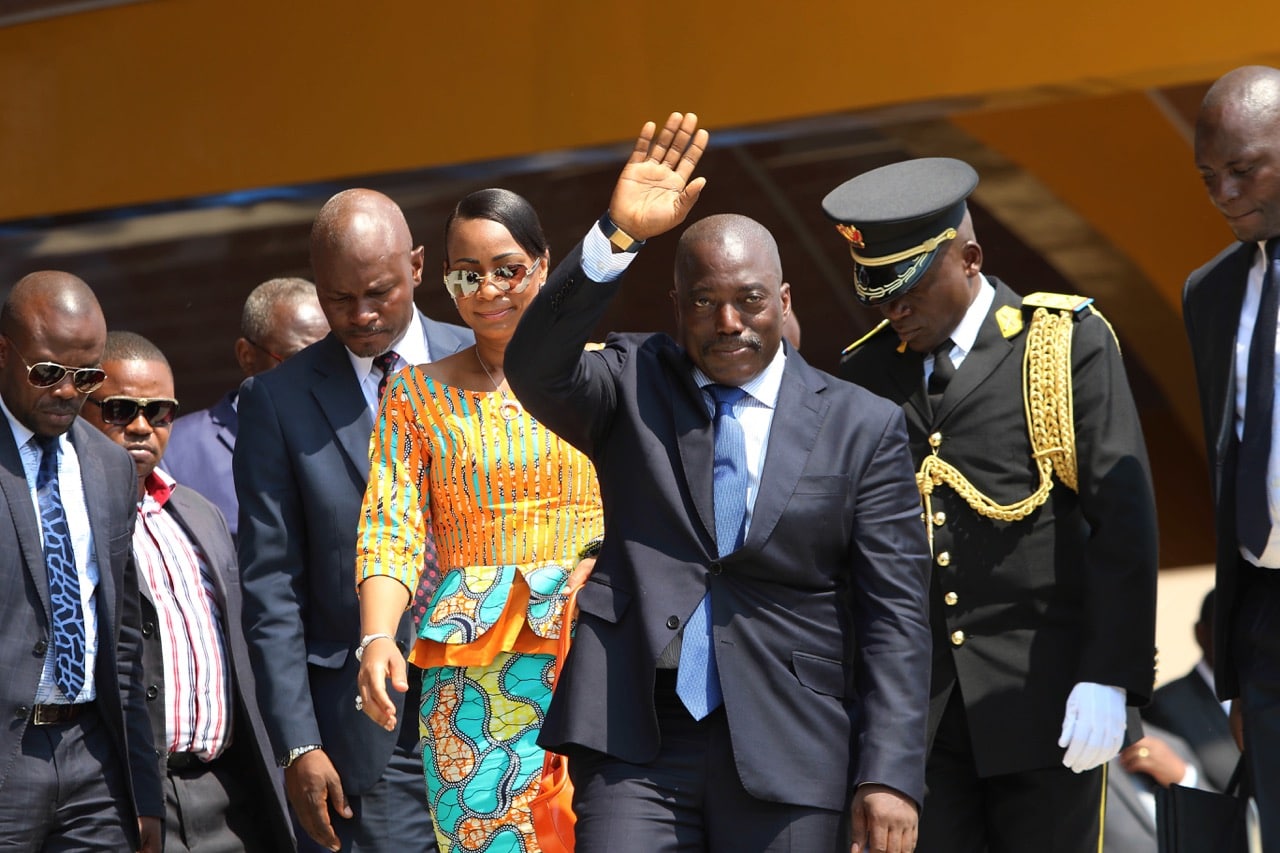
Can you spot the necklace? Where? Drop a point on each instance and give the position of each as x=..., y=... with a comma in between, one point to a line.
x=508, y=408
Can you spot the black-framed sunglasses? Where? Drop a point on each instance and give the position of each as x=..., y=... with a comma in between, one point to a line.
x=256, y=345
x=508, y=278
x=48, y=374
x=122, y=411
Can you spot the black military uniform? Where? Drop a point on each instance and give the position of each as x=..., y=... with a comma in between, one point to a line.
x=1044, y=572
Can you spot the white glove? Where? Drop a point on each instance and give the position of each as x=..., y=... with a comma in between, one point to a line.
x=1093, y=727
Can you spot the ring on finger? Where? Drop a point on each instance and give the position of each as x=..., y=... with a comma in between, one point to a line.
x=359, y=702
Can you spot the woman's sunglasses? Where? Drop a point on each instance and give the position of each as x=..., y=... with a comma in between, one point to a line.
x=508, y=278
x=122, y=411
x=47, y=374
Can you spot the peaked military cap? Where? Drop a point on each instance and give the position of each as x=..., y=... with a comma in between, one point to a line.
x=897, y=218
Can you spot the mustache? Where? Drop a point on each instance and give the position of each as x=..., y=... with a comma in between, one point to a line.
x=724, y=344
x=67, y=407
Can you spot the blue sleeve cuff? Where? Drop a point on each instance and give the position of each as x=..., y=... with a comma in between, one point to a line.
x=599, y=261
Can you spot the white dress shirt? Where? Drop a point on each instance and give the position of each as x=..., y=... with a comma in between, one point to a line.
x=410, y=348
x=965, y=335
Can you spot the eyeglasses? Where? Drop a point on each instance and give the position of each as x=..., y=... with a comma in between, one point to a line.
x=256, y=345
x=122, y=411
x=509, y=278
x=49, y=374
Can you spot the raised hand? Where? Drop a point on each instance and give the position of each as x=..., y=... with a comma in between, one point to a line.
x=654, y=193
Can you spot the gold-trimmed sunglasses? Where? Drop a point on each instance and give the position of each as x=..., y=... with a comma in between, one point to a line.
x=49, y=374
x=122, y=411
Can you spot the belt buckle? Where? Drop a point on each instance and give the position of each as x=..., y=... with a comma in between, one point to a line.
x=52, y=715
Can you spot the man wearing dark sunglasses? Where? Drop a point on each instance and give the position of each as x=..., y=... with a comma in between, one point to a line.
x=221, y=788
x=70, y=637
x=280, y=318
x=301, y=465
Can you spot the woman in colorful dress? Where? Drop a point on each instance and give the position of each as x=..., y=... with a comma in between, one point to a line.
x=511, y=506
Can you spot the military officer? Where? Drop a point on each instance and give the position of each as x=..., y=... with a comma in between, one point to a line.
x=1037, y=495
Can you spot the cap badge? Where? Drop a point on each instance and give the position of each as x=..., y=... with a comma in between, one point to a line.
x=852, y=234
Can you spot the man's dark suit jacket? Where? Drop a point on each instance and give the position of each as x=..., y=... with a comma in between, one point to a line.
x=110, y=490
x=1065, y=595
x=199, y=455
x=1211, y=303
x=1129, y=826
x=301, y=466
x=1188, y=708
x=203, y=523
x=819, y=619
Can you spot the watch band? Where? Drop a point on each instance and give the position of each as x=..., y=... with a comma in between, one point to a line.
x=592, y=548
x=624, y=241
x=297, y=752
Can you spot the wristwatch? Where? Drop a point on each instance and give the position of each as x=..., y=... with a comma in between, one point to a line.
x=297, y=752
x=592, y=548
x=367, y=639
x=624, y=241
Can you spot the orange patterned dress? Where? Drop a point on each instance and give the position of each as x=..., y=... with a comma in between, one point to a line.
x=511, y=505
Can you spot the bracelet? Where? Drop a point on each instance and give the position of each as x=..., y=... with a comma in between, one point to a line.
x=297, y=752
x=367, y=639
x=624, y=241
x=592, y=548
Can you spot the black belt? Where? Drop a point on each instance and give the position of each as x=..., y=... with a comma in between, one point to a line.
x=56, y=715
x=179, y=761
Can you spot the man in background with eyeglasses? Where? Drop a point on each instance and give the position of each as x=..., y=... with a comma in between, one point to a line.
x=221, y=788
x=301, y=466
x=77, y=765
x=281, y=317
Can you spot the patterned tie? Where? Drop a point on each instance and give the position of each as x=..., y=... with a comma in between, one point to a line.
x=698, y=677
x=64, y=580
x=943, y=371
x=385, y=363
x=1253, y=510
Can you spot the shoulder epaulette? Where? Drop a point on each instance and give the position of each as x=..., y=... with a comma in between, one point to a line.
x=1057, y=302
x=884, y=324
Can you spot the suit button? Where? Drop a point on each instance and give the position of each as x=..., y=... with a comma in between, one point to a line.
x=951, y=599
x=935, y=440
x=944, y=559
x=148, y=628
x=39, y=648
x=939, y=518
x=673, y=622
x=957, y=638
x=153, y=692
x=716, y=568
x=21, y=712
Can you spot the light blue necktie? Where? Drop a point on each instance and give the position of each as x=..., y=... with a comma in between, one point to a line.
x=698, y=678
x=67, y=630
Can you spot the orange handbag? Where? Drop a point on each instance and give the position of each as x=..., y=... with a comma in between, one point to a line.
x=552, y=806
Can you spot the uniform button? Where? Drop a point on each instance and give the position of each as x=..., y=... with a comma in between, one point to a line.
x=957, y=638
x=951, y=599
x=148, y=628
x=716, y=568
x=21, y=712
x=153, y=692
x=939, y=518
x=944, y=558
x=935, y=440
x=40, y=648
x=673, y=622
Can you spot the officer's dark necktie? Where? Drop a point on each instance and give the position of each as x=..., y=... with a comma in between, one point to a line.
x=943, y=370
x=698, y=677
x=67, y=629
x=385, y=363
x=1253, y=511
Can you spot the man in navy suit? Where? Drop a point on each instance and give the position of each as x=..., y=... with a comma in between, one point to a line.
x=1230, y=309
x=751, y=663
x=281, y=317
x=301, y=464
x=77, y=764
x=221, y=786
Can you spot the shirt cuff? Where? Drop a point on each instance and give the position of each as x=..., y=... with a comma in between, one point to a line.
x=599, y=261
x=1190, y=779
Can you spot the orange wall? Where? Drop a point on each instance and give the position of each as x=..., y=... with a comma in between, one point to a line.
x=175, y=98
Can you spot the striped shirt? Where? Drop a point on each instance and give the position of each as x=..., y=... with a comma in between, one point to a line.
x=197, y=685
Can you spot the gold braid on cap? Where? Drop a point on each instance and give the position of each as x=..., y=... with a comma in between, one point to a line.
x=922, y=249
x=1047, y=400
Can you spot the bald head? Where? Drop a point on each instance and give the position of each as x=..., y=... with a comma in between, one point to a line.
x=49, y=317
x=365, y=267
x=730, y=298
x=1238, y=150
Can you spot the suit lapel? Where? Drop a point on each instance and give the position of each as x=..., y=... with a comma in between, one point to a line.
x=695, y=436
x=98, y=503
x=989, y=350
x=223, y=416
x=180, y=511
x=13, y=482
x=343, y=403
x=1230, y=281
x=906, y=371
x=802, y=408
